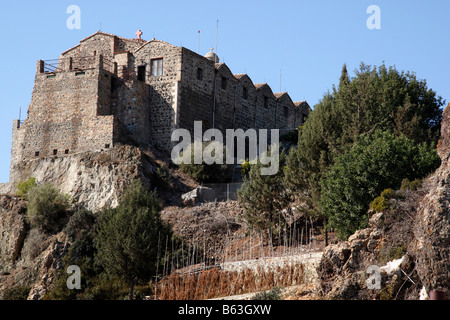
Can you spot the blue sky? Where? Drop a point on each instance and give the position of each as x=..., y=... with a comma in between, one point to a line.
x=307, y=41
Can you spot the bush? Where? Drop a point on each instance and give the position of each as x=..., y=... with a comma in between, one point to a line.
x=23, y=187
x=208, y=173
x=374, y=163
x=47, y=208
x=16, y=293
x=162, y=177
x=34, y=244
x=381, y=203
x=273, y=294
x=80, y=221
x=411, y=185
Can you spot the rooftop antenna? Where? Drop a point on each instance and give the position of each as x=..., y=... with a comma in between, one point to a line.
x=100, y=26
x=280, y=78
x=217, y=38
x=198, y=43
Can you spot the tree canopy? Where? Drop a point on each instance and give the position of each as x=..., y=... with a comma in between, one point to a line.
x=128, y=236
x=376, y=98
x=378, y=161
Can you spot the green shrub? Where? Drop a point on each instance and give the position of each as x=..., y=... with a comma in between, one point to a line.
x=47, y=208
x=34, y=244
x=273, y=294
x=377, y=161
x=411, y=185
x=16, y=293
x=23, y=187
x=379, y=204
x=162, y=177
x=245, y=168
x=208, y=173
x=80, y=221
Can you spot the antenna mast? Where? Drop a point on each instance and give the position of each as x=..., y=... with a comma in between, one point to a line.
x=217, y=38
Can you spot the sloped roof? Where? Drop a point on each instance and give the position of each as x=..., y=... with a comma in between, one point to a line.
x=299, y=103
x=285, y=95
x=151, y=41
x=105, y=34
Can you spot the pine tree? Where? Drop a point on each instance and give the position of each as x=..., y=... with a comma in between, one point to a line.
x=127, y=240
x=264, y=199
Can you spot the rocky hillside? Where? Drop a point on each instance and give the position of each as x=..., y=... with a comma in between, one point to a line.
x=410, y=242
x=94, y=180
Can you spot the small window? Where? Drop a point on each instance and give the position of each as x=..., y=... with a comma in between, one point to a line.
x=80, y=73
x=141, y=73
x=66, y=151
x=199, y=74
x=224, y=83
x=245, y=93
x=107, y=146
x=285, y=111
x=55, y=152
x=157, y=67
x=36, y=154
x=266, y=102
x=51, y=76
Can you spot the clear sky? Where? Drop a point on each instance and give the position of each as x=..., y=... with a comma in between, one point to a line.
x=307, y=42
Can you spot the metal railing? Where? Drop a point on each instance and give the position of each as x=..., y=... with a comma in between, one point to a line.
x=76, y=64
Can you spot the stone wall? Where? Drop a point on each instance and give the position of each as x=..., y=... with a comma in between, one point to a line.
x=238, y=104
x=103, y=91
x=163, y=89
x=63, y=117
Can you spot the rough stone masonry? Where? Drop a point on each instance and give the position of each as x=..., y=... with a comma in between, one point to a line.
x=109, y=90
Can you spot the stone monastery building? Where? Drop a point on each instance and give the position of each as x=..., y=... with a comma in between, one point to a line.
x=109, y=90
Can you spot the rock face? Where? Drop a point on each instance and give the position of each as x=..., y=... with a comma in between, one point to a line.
x=95, y=180
x=26, y=259
x=344, y=269
x=13, y=230
x=432, y=226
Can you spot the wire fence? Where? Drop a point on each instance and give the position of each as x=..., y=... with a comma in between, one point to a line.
x=212, y=192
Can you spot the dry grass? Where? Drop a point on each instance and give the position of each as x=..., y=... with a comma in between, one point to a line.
x=216, y=283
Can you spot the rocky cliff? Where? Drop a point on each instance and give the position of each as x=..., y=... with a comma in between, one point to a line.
x=94, y=180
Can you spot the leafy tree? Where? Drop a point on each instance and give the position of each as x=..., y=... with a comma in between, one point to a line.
x=23, y=187
x=378, y=161
x=264, y=199
x=127, y=239
x=47, y=208
x=376, y=98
